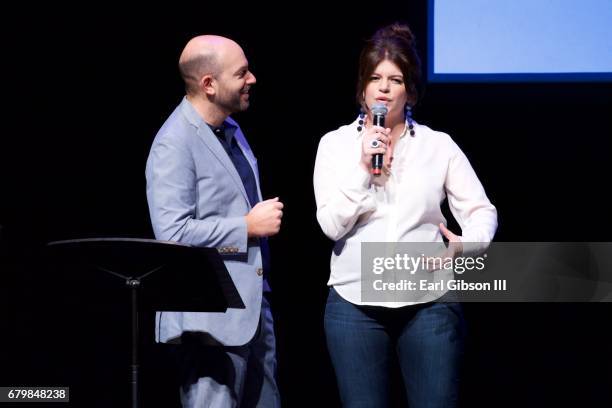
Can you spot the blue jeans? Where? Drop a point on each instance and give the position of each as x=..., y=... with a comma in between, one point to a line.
x=427, y=341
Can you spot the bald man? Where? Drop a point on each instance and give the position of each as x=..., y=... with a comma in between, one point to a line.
x=203, y=190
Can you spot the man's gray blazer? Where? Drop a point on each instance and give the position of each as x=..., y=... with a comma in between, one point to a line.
x=196, y=197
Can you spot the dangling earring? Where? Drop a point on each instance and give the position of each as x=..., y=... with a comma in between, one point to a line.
x=361, y=117
x=409, y=121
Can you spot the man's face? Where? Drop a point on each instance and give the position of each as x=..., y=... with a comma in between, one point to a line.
x=234, y=82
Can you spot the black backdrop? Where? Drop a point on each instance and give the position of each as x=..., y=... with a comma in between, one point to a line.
x=86, y=89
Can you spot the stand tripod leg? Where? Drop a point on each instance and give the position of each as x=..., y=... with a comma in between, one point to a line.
x=134, y=285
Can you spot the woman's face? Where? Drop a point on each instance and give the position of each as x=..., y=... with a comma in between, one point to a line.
x=386, y=86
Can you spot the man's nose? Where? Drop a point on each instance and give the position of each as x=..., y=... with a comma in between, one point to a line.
x=251, y=79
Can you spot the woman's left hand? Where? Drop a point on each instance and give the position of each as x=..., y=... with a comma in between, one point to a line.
x=455, y=248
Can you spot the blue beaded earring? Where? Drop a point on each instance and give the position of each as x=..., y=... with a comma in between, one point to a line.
x=361, y=117
x=409, y=121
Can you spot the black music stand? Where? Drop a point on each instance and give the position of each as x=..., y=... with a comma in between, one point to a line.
x=169, y=275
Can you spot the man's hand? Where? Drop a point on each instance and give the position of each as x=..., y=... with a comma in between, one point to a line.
x=264, y=219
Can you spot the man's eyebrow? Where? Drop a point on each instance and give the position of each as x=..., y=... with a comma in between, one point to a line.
x=242, y=68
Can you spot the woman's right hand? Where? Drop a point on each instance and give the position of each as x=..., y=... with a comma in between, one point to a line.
x=367, y=151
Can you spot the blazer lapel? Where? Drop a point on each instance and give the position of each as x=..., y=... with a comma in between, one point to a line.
x=219, y=152
x=209, y=138
x=246, y=150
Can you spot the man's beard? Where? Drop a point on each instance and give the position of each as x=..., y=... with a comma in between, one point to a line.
x=232, y=102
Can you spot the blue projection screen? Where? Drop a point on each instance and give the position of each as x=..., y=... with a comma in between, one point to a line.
x=520, y=40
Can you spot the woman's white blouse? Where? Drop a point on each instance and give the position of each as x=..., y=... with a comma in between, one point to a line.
x=403, y=206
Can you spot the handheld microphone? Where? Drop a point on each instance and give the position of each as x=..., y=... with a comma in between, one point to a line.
x=379, y=111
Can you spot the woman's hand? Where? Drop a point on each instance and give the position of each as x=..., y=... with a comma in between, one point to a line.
x=455, y=249
x=384, y=146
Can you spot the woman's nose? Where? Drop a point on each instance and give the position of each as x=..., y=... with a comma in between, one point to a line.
x=383, y=85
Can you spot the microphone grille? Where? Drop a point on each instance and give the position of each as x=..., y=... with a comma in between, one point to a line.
x=379, y=109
